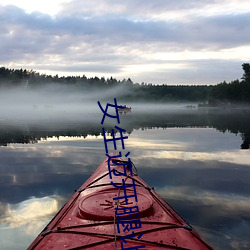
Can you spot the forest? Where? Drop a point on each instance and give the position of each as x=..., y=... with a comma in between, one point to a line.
x=224, y=93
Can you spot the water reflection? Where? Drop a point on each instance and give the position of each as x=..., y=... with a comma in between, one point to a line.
x=29, y=210
x=195, y=166
x=233, y=121
x=20, y=222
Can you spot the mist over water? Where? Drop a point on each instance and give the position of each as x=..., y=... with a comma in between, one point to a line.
x=55, y=102
x=60, y=102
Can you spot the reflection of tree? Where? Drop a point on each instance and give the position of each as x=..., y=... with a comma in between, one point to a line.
x=16, y=137
x=19, y=134
x=246, y=141
x=237, y=122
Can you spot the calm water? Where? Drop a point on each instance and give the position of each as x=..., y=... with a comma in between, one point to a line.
x=193, y=158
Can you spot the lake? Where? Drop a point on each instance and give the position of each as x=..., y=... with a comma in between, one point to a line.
x=198, y=160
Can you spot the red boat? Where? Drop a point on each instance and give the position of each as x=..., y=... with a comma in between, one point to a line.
x=116, y=209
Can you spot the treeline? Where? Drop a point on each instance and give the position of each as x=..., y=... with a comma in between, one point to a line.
x=234, y=92
x=237, y=91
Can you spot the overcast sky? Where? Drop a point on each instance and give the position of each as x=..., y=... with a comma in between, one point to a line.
x=154, y=41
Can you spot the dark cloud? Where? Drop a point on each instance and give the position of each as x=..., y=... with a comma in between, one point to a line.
x=225, y=31
x=207, y=30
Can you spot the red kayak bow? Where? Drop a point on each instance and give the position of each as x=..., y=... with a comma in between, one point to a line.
x=116, y=209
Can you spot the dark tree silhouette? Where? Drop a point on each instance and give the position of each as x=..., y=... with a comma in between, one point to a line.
x=246, y=69
x=220, y=94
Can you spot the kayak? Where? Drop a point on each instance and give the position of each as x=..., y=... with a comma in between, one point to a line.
x=116, y=209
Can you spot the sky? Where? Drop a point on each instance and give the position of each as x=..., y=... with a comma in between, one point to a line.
x=151, y=41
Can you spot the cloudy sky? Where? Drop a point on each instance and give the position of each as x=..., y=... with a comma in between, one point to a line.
x=154, y=41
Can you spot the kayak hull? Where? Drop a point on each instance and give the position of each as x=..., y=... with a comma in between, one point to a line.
x=97, y=217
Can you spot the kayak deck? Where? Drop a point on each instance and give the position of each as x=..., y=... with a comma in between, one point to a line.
x=89, y=220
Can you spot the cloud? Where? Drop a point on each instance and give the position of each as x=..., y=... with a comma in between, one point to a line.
x=142, y=10
x=95, y=31
x=125, y=40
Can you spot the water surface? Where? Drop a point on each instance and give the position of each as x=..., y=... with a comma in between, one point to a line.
x=193, y=158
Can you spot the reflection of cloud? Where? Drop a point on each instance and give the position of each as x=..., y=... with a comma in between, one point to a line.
x=228, y=203
x=220, y=240
x=153, y=145
x=200, y=144
x=222, y=219
x=219, y=214
x=57, y=156
x=186, y=139
x=29, y=213
x=25, y=220
x=153, y=156
x=223, y=156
